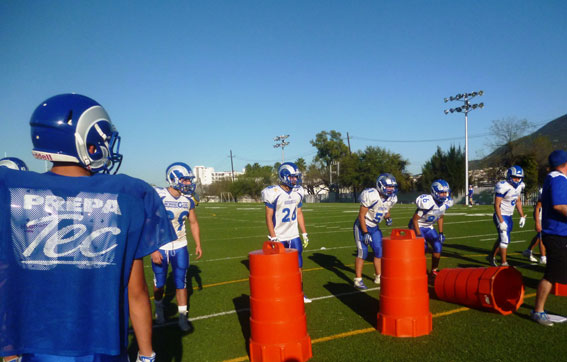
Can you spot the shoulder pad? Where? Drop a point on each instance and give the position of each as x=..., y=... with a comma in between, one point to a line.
x=269, y=194
x=424, y=202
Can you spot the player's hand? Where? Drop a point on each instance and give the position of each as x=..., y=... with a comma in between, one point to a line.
x=198, y=251
x=305, y=240
x=522, y=222
x=367, y=238
x=441, y=238
x=538, y=227
x=151, y=358
x=503, y=226
x=273, y=238
x=388, y=221
x=157, y=258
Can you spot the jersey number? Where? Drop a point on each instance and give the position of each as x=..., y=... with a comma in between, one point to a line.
x=180, y=219
x=287, y=211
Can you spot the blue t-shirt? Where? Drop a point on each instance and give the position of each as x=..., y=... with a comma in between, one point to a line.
x=67, y=245
x=554, y=193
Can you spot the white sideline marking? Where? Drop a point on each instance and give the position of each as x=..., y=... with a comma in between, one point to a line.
x=247, y=309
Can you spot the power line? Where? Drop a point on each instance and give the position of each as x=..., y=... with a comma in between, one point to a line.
x=418, y=140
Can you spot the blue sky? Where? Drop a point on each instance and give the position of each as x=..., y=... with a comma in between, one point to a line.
x=191, y=80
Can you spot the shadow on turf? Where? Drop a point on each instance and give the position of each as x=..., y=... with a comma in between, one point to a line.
x=331, y=263
x=361, y=303
x=166, y=341
x=242, y=306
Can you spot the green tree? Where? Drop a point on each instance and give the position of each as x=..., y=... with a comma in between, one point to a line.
x=361, y=169
x=449, y=166
x=330, y=147
x=301, y=164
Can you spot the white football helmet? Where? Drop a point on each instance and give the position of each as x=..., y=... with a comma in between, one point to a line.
x=387, y=185
x=13, y=163
x=515, y=172
x=178, y=172
x=289, y=174
x=439, y=187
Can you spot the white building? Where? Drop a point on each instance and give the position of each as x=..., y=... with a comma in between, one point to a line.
x=207, y=175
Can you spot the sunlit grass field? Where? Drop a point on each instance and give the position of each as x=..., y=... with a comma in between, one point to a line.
x=341, y=320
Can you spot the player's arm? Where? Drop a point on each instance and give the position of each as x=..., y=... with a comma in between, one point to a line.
x=537, y=213
x=140, y=310
x=440, y=224
x=194, y=224
x=519, y=206
x=362, y=218
x=497, y=210
x=301, y=221
x=415, y=223
x=270, y=222
x=562, y=209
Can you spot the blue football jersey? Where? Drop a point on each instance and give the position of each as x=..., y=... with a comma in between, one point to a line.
x=67, y=245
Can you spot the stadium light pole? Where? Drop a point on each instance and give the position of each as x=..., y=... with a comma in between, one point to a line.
x=281, y=142
x=465, y=108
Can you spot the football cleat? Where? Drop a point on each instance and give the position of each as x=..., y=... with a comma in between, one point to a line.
x=76, y=129
x=180, y=177
x=289, y=175
x=141, y=358
x=376, y=278
x=491, y=260
x=359, y=284
x=13, y=163
x=505, y=264
x=541, y=318
x=160, y=313
x=184, y=323
x=543, y=260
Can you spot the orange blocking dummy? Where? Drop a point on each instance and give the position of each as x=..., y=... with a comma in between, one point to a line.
x=404, y=298
x=559, y=290
x=277, y=313
x=498, y=289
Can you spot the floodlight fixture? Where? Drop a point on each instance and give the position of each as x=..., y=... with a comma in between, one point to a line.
x=281, y=142
x=465, y=108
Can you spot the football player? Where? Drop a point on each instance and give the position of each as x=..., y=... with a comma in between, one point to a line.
x=536, y=240
x=507, y=196
x=283, y=211
x=13, y=163
x=75, y=237
x=178, y=201
x=431, y=209
x=375, y=205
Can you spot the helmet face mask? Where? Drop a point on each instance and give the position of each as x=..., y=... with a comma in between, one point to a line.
x=440, y=191
x=13, y=163
x=180, y=177
x=387, y=185
x=76, y=129
x=289, y=175
x=515, y=175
